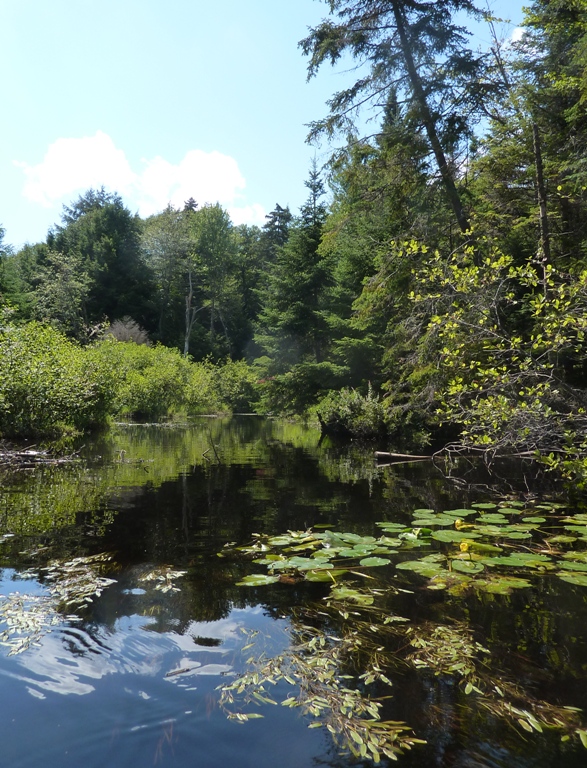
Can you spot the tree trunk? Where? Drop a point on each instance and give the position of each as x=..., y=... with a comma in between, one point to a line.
x=541, y=194
x=429, y=123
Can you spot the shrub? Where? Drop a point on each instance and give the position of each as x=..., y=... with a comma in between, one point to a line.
x=49, y=383
x=127, y=329
x=349, y=413
x=202, y=394
x=303, y=386
x=150, y=382
x=237, y=385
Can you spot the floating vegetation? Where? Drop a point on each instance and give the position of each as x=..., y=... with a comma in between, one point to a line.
x=491, y=549
x=164, y=577
x=313, y=664
x=71, y=584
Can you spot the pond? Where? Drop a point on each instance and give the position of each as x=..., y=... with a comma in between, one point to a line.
x=128, y=602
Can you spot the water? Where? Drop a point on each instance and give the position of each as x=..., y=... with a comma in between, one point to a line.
x=133, y=679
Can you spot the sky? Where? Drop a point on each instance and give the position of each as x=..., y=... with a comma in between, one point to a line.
x=160, y=100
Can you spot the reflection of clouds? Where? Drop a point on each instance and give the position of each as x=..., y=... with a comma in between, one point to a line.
x=69, y=661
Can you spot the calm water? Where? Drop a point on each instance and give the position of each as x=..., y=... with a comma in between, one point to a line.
x=132, y=680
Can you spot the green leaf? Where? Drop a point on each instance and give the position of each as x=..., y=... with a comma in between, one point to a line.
x=374, y=561
x=257, y=580
x=452, y=536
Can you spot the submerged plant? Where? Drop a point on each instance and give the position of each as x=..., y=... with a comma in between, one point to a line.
x=71, y=584
x=487, y=548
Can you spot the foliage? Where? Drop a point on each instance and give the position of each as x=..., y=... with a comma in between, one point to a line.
x=299, y=388
x=508, y=339
x=48, y=383
x=71, y=584
x=150, y=382
x=349, y=413
x=340, y=671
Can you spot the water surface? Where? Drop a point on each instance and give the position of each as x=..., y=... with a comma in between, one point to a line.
x=132, y=678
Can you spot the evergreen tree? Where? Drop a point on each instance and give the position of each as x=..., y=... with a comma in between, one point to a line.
x=416, y=49
x=292, y=326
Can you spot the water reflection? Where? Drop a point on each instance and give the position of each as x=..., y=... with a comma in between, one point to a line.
x=133, y=682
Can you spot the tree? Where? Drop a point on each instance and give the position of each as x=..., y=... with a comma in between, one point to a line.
x=416, y=49
x=292, y=327
x=99, y=229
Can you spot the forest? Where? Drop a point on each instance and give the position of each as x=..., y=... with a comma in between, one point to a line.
x=432, y=289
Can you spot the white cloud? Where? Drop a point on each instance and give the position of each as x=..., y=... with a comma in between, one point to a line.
x=248, y=214
x=517, y=34
x=71, y=166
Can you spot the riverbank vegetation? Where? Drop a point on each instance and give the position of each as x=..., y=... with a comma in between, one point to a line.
x=438, y=294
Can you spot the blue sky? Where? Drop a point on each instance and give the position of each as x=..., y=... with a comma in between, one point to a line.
x=159, y=101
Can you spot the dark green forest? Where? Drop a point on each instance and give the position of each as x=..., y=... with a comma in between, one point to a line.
x=431, y=290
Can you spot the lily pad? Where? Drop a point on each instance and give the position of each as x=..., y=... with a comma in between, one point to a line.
x=460, y=512
x=467, y=566
x=257, y=580
x=484, y=505
x=501, y=585
x=579, y=579
x=573, y=566
x=371, y=562
x=325, y=575
x=494, y=519
x=452, y=536
x=534, y=519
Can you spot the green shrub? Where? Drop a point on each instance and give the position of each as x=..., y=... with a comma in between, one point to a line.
x=303, y=386
x=149, y=382
x=202, y=395
x=349, y=413
x=48, y=383
x=237, y=385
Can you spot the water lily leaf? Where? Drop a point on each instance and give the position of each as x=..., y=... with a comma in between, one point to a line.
x=479, y=546
x=325, y=575
x=452, y=536
x=517, y=535
x=460, y=512
x=374, y=561
x=562, y=539
x=573, y=566
x=484, y=505
x=391, y=527
x=579, y=579
x=422, y=567
x=519, y=560
x=534, y=519
x=423, y=512
x=511, y=510
x=354, y=538
x=580, y=556
x=495, y=518
x=280, y=541
x=436, y=520
x=501, y=586
x=257, y=580
x=512, y=503
x=582, y=529
x=346, y=593
x=467, y=566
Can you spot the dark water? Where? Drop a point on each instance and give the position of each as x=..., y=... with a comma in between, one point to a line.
x=133, y=681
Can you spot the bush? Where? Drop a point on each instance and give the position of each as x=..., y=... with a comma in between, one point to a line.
x=48, y=383
x=202, y=395
x=237, y=385
x=303, y=386
x=150, y=382
x=350, y=414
